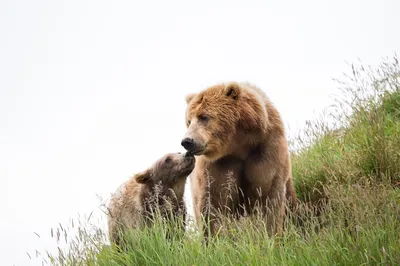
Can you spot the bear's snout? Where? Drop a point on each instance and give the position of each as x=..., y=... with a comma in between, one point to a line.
x=188, y=144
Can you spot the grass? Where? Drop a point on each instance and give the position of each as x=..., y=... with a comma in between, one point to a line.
x=363, y=143
x=347, y=176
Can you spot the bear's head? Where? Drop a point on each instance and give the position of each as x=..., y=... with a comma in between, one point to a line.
x=214, y=117
x=171, y=169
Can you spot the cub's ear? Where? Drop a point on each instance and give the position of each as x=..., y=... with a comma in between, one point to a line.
x=143, y=177
x=232, y=90
x=190, y=97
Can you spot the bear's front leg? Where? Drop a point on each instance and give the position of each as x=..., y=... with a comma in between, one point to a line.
x=202, y=202
x=204, y=217
x=275, y=210
x=266, y=189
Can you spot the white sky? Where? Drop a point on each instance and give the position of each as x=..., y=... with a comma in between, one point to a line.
x=93, y=91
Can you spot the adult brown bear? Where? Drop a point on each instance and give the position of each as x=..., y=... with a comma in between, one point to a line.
x=239, y=141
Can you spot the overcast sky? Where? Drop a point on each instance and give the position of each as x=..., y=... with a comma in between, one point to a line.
x=93, y=91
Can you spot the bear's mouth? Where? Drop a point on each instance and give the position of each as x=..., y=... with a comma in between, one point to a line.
x=197, y=152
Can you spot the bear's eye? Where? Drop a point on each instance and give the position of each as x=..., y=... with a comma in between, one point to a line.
x=203, y=118
x=188, y=123
x=168, y=160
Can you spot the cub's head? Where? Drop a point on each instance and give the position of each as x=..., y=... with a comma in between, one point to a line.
x=171, y=169
x=211, y=119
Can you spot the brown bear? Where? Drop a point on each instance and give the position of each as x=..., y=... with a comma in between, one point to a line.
x=159, y=188
x=242, y=155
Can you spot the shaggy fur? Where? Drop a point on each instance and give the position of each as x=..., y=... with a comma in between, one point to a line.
x=160, y=187
x=242, y=156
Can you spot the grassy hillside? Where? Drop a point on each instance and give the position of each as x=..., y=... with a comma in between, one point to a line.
x=347, y=176
x=362, y=145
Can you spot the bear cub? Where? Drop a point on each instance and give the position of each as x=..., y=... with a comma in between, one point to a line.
x=158, y=188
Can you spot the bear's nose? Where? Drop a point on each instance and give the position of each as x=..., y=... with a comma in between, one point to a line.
x=187, y=143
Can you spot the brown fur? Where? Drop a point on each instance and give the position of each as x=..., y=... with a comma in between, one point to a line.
x=239, y=142
x=161, y=185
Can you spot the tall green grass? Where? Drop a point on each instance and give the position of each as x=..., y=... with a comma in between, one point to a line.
x=347, y=176
x=362, y=144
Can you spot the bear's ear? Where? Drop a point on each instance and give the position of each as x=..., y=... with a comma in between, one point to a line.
x=232, y=90
x=143, y=177
x=189, y=97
